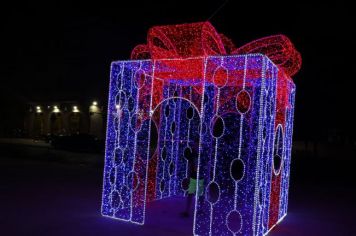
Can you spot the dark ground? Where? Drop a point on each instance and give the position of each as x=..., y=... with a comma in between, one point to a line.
x=42, y=197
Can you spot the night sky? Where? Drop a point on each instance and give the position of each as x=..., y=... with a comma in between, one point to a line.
x=62, y=51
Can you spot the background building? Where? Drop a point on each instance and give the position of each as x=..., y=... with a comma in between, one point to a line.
x=63, y=118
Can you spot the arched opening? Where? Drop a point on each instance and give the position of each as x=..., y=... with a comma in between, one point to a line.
x=278, y=150
x=38, y=125
x=175, y=137
x=74, y=122
x=56, y=123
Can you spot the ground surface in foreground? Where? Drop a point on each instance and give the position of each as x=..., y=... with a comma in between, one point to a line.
x=43, y=197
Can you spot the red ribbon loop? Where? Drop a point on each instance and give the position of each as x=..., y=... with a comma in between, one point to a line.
x=201, y=39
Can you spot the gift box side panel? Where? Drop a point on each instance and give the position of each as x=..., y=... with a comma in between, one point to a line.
x=127, y=146
x=263, y=195
x=282, y=145
x=230, y=163
x=115, y=77
x=287, y=150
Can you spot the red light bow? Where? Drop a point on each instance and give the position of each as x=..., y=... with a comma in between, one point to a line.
x=201, y=39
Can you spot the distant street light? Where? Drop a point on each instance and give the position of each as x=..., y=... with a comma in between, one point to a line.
x=75, y=109
x=38, y=109
x=56, y=109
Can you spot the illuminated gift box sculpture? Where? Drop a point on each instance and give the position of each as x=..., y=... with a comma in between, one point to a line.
x=182, y=97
